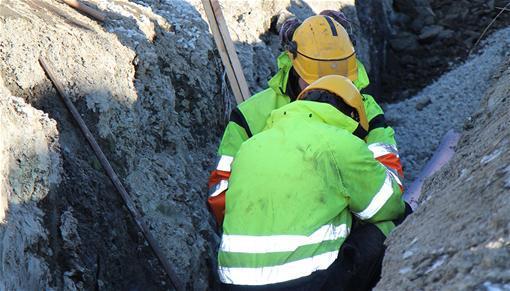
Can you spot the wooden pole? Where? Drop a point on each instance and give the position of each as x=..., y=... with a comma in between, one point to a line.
x=227, y=50
x=113, y=177
x=94, y=13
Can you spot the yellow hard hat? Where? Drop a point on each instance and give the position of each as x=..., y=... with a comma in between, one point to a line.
x=323, y=48
x=345, y=90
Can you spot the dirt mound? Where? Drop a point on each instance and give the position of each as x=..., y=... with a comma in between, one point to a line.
x=459, y=237
x=30, y=165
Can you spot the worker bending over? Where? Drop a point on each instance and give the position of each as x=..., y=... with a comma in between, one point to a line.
x=317, y=47
x=293, y=191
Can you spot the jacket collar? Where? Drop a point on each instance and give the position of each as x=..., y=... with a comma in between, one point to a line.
x=363, y=81
x=317, y=111
x=279, y=81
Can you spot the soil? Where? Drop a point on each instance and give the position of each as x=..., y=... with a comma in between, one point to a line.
x=30, y=167
x=459, y=237
x=148, y=84
x=431, y=36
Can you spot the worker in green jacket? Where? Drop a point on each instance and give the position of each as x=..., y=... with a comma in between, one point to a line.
x=293, y=191
x=317, y=47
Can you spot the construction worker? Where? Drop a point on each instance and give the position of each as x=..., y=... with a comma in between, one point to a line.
x=317, y=47
x=294, y=188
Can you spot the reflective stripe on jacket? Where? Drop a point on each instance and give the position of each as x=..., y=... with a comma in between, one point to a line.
x=291, y=193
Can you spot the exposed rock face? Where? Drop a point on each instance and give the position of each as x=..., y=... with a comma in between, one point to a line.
x=150, y=86
x=375, y=24
x=459, y=237
x=431, y=35
x=30, y=166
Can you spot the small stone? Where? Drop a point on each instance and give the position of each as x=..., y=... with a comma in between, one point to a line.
x=430, y=32
x=422, y=103
x=488, y=158
x=446, y=34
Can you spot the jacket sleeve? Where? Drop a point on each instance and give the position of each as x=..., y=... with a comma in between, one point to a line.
x=381, y=139
x=373, y=192
x=235, y=134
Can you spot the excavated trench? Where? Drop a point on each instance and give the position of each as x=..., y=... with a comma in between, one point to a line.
x=150, y=86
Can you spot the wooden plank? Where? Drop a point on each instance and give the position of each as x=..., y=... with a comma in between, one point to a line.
x=94, y=13
x=227, y=50
x=113, y=177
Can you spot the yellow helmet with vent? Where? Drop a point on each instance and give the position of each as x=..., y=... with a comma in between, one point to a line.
x=323, y=48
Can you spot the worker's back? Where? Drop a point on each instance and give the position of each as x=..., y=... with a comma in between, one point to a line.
x=289, y=201
x=287, y=171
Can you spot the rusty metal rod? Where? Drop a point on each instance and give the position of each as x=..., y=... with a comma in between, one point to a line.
x=94, y=13
x=442, y=155
x=113, y=177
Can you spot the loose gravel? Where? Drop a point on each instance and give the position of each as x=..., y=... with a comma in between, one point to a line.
x=422, y=120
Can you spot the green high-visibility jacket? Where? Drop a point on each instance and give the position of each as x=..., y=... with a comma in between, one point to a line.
x=291, y=193
x=250, y=117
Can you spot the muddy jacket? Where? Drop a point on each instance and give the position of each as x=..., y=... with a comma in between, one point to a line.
x=305, y=164
x=250, y=117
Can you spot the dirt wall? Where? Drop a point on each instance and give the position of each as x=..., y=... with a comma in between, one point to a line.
x=30, y=165
x=148, y=83
x=459, y=237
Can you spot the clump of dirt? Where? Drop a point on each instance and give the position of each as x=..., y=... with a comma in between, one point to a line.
x=459, y=237
x=432, y=35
